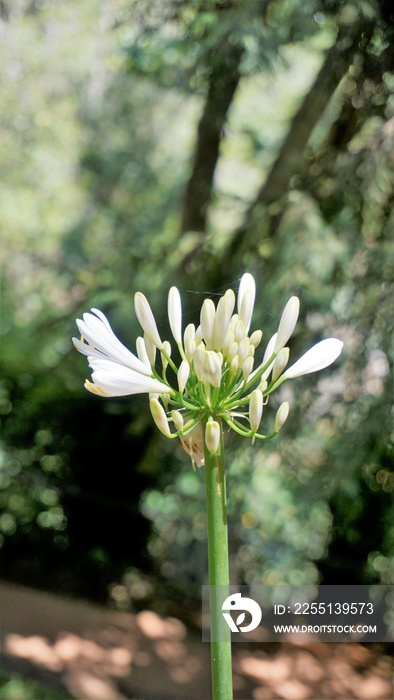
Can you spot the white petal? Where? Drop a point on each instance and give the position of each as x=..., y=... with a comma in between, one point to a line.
x=86, y=349
x=318, y=357
x=116, y=380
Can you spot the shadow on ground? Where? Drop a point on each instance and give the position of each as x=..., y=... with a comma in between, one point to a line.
x=99, y=654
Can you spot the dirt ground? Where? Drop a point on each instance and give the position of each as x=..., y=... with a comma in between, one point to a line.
x=98, y=654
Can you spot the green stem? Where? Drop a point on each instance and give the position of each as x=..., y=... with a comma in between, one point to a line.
x=218, y=570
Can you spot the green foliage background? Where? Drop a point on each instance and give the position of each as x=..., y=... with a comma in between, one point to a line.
x=150, y=143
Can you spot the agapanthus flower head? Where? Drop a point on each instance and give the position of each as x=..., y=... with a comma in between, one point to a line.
x=217, y=376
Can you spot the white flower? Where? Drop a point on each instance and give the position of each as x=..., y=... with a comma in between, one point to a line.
x=318, y=357
x=214, y=379
x=102, y=342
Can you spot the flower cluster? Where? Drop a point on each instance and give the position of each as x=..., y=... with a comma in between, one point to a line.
x=215, y=378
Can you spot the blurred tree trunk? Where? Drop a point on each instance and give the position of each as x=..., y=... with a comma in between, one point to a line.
x=290, y=160
x=223, y=82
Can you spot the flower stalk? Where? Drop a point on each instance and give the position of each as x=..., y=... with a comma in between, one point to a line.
x=221, y=379
x=215, y=484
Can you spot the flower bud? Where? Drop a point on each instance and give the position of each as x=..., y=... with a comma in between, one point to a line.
x=233, y=320
x=255, y=338
x=190, y=333
x=142, y=353
x=189, y=341
x=212, y=436
x=177, y=419
x=280, y=363
x=255, y=409
x=198, y=361
x=287, y=322
x=199, y=335
x=159, y=416
x=224, y=310
x=166, y=400
x=243, y=349
x=175, y=314
x=167, y=350
x=212, y=368
x=239, y=330
x=234, y=364
x=228, y=341
x=207, y=320
x=183, y=375
x=146, y=318
x=247, y=368
x=268, y=353
x=232, y=351
x=281, y=416
x=246, y=309
x=318, y=357
x=150, y=349
x=190, y=349
x=245, y=299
